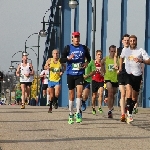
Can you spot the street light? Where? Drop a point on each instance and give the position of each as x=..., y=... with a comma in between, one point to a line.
x=73, y=4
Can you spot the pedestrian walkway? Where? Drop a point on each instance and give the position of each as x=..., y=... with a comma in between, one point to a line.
x=35, y=129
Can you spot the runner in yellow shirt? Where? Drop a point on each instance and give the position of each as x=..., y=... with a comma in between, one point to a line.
x=54, y=84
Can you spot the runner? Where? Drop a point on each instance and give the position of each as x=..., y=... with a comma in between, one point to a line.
x=97, y=83
x=89, y=72
x=45, y=75
x=18, y=95
x=110, y=78
x=25, y=71
x=122, y=76
x=134, y=57
x=74, y=54
x=54, y=84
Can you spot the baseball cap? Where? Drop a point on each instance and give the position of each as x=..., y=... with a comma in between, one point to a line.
x=76, y=34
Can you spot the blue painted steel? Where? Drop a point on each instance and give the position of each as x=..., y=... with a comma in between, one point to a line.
x=89, y=24
x=66, y=38
x=76, y=19
x=123, y=19
x=104, y=26
x=41, y=100
x=146, y=92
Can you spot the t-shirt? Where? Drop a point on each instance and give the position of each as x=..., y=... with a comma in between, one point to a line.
x=97, y=76
x=45, y=79
x=18, y=93
x=130, y=65
x=90, y=68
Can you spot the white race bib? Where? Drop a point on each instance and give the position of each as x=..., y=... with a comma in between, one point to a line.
x=76, y=66
x=24, y=78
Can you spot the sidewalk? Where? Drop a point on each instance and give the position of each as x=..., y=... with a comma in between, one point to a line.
x=35, y=129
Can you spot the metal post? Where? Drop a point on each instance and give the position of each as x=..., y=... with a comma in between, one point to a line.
x=38, y=63
x=94, y=29
x=60, y=29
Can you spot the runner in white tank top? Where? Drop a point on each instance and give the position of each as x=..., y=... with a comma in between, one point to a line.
x=25, y=72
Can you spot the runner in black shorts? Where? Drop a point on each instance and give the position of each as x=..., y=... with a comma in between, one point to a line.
x=75, y=54
x=97, y=84
x=122, y=76
x=134, y=57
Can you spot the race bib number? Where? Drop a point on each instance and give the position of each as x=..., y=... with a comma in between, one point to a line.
x=111, y=67
x=55, y=70
x=24, y=78
x=76, y=66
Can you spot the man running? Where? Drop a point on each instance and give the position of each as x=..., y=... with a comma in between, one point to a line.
x=25, y=71
x=134, y=57
x=75, y=54
x=54, y=84
x=110, y=77
x=97, y=83
x=89, y=72
x=122, y=75
x=45, y=75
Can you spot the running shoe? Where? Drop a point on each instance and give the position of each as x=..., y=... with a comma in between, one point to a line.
x=71, y=119
x=22, y=106
x=78, y=118
x=100, y=110
x=83, y=106
x=94, y=111
x=129, y=119
x=110, y=114
x=123, y=118
x=50, y=110
x=135, y=110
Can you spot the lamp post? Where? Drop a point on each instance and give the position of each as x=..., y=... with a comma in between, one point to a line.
x=73, y=4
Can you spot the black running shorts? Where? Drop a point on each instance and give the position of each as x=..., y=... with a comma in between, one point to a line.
x=26, y=83
x=73, y=81
x=134, y=81
x=96, y=85
x=114, y=84
x=45, y=86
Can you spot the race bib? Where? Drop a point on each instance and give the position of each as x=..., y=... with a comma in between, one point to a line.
x=24, y=78
x=76, y=66
x=111, y=67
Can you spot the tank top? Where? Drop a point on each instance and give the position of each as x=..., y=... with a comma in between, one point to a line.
x=97, y=76
x=23, y=71
x=55, y=69
x=111, y=73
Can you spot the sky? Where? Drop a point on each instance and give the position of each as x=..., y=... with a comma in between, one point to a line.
x=21, y=18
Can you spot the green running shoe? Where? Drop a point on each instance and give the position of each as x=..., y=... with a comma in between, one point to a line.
x=78, y=117
x=94, y=111
x=135, y=110
x=71, y=119
x=100, y=110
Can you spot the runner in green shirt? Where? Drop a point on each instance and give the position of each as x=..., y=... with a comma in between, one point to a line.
x=89, y=72
x=18, y=95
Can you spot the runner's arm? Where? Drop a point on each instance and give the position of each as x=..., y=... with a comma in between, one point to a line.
x=31, y=70
x=64, y=55
x=63, y=67
x=121, y=60
x=48, y=62
x=103, y=66
x=116, y=59
x=18, y=71
x=42, y=74
x=87, y=54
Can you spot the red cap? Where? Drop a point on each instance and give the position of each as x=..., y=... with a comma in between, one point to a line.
x=76, y=33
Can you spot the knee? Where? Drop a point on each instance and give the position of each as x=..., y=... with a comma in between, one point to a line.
x=85, y=97
x=94, y=95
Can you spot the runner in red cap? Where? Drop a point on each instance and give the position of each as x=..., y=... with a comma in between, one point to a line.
x=74, y=55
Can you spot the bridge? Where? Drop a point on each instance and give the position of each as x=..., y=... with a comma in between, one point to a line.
x=98, y=33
